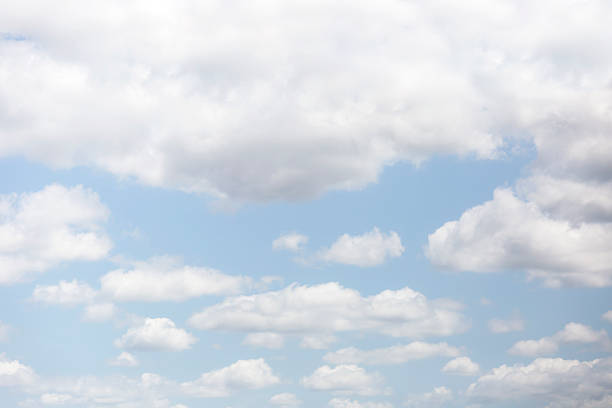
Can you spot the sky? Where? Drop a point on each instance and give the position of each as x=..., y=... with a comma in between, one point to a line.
x=285, y=204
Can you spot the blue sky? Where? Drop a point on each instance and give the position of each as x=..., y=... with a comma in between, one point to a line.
x=272, y=204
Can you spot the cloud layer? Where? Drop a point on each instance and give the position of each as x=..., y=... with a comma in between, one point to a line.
x=329, y=308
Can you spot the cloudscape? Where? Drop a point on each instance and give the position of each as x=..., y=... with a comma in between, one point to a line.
x=306, y=204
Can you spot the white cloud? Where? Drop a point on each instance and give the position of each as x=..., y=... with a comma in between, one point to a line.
x=149, y=390
x=370, y=249
x=318, y=341
x=607, y=316
x=165, y=279
x=15, y=374
x=290, y=242
x=436, y=398
x=156, y=334
x=347, y=403
x=507, y=233
x=265, y=339
x=398, y=354
x=124, y=359
x=461, y=366
x=539, y=347
x=329, y=307
x=99, y=312
x=556, y=382
x=285, y=400
x=344, y=379
x=571, y=199
x=64, y=293
x=571, y=333
x=255, y=94
x=39, y=230
x=513, y=324
x=243, y=374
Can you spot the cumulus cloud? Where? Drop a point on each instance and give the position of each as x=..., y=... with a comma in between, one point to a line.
x=370, y=249
x=15, y=374
x=347, y=403
x=461, y=366
x=64, y=293
x=243, y=374
x=195, y=116
x=148, y=390
x=285, y=400
x=438, y=397
x=290, y=242
x=40, y=230
x=508, y=233
x=512, y=324
x=156, y=334
x=344, y=379
x=398, y=354
x=556, y=382
x=607, y=316
x=124, y=359
x=571, y=333
x=329, y=307
x=165, y=279
x=266, y=340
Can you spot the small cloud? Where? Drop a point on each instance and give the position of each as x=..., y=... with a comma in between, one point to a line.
x=124, y=359
x=370, y=249
x=156, y=334
x=461, y=366
x=290, y=242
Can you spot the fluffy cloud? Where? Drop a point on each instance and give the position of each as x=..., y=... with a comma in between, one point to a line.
x=64, y=293
x=329, y=308
x=156, y=334
x=290, y=242
x=243, y=374
x=513, y=324
x=267, y=340
x=607, y=316
x=508, y=233
x=194, y=117
x=571, y=333
x=149, y=390
x=461, y=366
x=436, y=398
x=347, y=403
x=285, y=400
x=398, y=354
x=164, y=278
x=571, y=199
x=344, y=379
x=42, y=229
x=370, y=249
x=556, y=382
x=124, y=359
x=14, y=374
